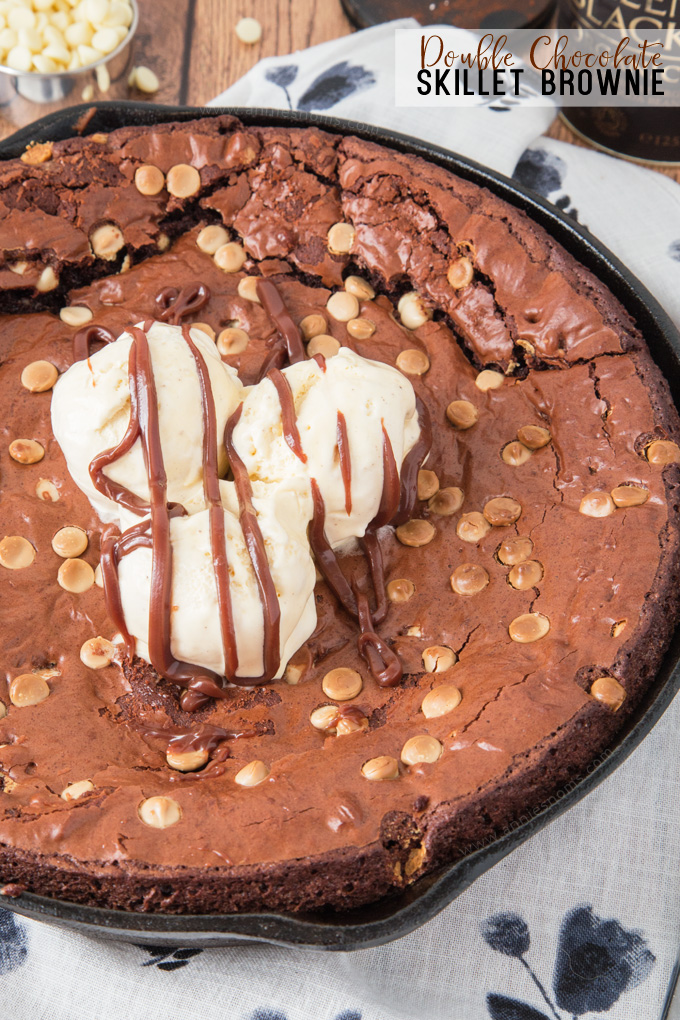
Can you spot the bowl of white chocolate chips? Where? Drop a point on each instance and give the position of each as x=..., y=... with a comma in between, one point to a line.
x=48, y=47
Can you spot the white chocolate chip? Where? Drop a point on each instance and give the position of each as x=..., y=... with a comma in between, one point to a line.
x=232, y=340
x=360, y=288
x=342, y=684
x=46, y=490
x=324, y=344
x=183, y=180
x=252, y=774
x=247, y=288
x=39, y=376
x=106, y=241
x=211, y=238
x=325, y=717
x=380, y=769
x=489, y=380
x=159, y=812
x=149, y=179
x=439, y=658
x=412, y=311
x=28, y=689
x=343, y=306
x=440, y=701
x=75, y=576
x=529, y=627
x=97, y=653
x=421, y=749
x=26, y=451
x=47, y=280
x=75, y=315
x=70, y=541
x=230, y=257
x=597, y=504
x=248, y=31
x=187, y=761
x=144, y=79
x=16, y=552
x=101, y=71
x=340, y=239
x=75, y=790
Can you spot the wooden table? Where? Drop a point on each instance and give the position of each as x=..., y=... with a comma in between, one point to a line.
x=192, y=47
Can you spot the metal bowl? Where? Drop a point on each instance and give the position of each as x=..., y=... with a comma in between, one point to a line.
x=50, y=88
x=399, y=914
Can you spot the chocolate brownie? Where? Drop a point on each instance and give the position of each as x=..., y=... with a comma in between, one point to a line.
x=528, y=596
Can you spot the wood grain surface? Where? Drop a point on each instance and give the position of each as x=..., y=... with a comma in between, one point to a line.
x=194, y=50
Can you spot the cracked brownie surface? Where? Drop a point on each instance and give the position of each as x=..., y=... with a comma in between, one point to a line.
x=521, y=659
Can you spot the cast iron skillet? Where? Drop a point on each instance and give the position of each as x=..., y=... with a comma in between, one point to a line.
x=396, y=916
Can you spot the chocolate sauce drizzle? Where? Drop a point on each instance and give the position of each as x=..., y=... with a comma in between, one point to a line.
x=90, y=335
x=412, y=463
x=211, y=491
x=258, y=556
x=144, y=425
x=396, y=504
x=384, y=664
x=288, y=419
x=272, y=302
x=345, y=461
x=208, y=739
x=173, y=305
x=200, y=682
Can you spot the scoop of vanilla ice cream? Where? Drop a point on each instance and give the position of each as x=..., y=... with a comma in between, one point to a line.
x=91, y=411
x=196, y=637
x=369, y=394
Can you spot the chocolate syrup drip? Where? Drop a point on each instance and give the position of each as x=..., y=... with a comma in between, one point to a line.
x=109, y=559
x=191, y=700
x=204, y=738
x=371, y=549
x=145, y=426
x=90, y=335
x=346, y=712
x=277, y=357
x=412, y=463
x=351, y=712
x=199, y=678
x=384, y=664
x=213, y=498
x=391, y=491
x=345, y=461
x=271, y=611
x=326, y=559
x=173, y=305
x=102, y=483
x=272, y=302
x=288, y=418
x=320, y=360
x=397, y=497
x=207, y=738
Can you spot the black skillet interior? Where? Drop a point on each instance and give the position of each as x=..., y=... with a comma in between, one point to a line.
x=398, y=915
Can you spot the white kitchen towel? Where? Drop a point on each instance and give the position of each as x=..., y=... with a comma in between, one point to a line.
x=583, y=920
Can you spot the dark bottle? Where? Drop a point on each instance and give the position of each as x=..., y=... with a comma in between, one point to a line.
x=650, y=134
x=487, y=14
